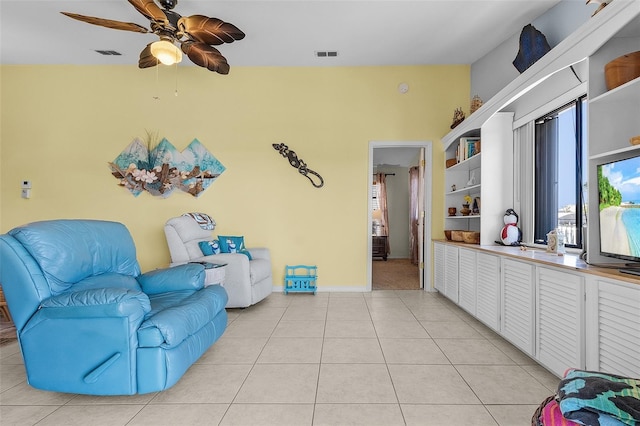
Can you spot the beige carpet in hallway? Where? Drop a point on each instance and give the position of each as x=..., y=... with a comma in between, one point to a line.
x=394, y=274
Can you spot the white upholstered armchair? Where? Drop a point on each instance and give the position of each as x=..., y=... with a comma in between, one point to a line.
x=246, y=281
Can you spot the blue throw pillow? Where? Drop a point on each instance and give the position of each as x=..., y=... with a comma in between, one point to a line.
x=210, y=247
x=233, y=245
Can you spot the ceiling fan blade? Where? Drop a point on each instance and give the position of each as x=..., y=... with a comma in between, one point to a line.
x=209, y=30
x=116, y=25
x=206, y=56
x=147, y=60
x=150, y=10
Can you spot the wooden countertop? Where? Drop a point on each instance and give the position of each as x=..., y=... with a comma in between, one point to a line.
x=567, y=261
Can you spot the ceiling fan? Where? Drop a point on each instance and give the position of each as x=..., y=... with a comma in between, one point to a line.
x=196, y=35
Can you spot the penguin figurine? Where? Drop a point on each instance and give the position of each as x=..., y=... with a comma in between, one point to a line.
x=511, y=235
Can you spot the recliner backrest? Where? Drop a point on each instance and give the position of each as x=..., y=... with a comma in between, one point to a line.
x=69, y=251
x=183, y=235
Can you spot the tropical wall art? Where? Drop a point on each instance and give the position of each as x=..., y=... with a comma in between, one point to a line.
x=161, y=169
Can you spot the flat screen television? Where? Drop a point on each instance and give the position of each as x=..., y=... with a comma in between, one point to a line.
x=619, y=207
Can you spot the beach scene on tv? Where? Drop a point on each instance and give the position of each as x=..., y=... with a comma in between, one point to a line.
x=619, y=191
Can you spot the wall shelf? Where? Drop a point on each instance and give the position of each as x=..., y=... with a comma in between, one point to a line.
x=465, y=190
x=458, y=217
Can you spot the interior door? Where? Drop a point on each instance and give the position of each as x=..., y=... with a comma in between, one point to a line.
x=421, y=216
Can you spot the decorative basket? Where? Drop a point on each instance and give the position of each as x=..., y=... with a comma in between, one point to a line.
x=622, y=70
x=471, y=237
x=456, y=235
x=447, y=234
x=451, y=162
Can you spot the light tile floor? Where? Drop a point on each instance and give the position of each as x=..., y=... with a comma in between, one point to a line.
x=380, y=358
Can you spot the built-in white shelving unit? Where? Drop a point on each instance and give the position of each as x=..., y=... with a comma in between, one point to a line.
x=612, y=117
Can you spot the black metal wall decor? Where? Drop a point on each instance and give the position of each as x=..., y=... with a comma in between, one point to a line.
x=299, y=164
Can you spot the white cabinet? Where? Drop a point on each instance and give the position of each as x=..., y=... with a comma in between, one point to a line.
x=559, y=319
x=451, y=272
x=438, y=266
x=488, y=290
x=445, y=270
x=467, y=280
x=613, y=327
x=518, y=304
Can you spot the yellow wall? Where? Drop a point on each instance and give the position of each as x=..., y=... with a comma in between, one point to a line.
x=62, y=124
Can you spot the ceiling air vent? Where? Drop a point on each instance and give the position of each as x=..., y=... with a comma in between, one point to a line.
x=109, y=52
x=327, y=54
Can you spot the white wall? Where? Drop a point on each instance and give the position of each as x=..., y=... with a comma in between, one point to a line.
x=495, y=70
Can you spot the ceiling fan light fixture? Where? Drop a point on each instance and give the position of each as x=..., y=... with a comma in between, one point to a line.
x=166, y=52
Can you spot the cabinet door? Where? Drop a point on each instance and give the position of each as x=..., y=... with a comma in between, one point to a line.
x=613, y=324
x=467, y=280
x=518, y=304
x=488, y=290
x=451, y=272
x=559, y=320
x=438, y=266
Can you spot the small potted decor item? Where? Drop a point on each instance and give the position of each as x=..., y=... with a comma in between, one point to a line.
x=476, y=103
x=452, y=211
x=510, y=235
x=465, y=210
x=458, y=117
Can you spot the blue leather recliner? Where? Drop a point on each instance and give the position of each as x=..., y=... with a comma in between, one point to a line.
x=89, y=322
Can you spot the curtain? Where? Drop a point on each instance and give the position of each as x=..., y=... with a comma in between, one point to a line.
x=414, y=211
x=382, y=201
x=523, y=152
x=546, y=177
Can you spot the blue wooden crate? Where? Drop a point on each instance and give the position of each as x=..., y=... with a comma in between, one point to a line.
x=300, y=279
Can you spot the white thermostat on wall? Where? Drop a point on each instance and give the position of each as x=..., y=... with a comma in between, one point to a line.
x=403, y=87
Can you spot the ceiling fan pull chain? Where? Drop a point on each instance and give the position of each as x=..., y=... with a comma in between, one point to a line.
x=176, y=67
x=157, y=96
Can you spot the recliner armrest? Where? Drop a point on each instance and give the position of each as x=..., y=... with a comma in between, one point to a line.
x=189, y=276
x=105, y=302
x=260, y=253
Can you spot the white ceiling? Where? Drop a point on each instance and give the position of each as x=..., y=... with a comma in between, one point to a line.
x=279, y=33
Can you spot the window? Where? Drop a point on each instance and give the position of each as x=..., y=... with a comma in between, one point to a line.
x=560, y=173
x=375, y=190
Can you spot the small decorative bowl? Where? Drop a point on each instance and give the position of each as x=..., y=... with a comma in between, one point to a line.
x=622, y=70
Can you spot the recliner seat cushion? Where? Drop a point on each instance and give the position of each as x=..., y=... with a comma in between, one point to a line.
x=177, y=315
x=108, y=280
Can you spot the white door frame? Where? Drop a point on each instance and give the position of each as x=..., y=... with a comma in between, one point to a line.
x=428, y=157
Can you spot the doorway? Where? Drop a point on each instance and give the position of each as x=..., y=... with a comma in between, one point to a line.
x=395, y=159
